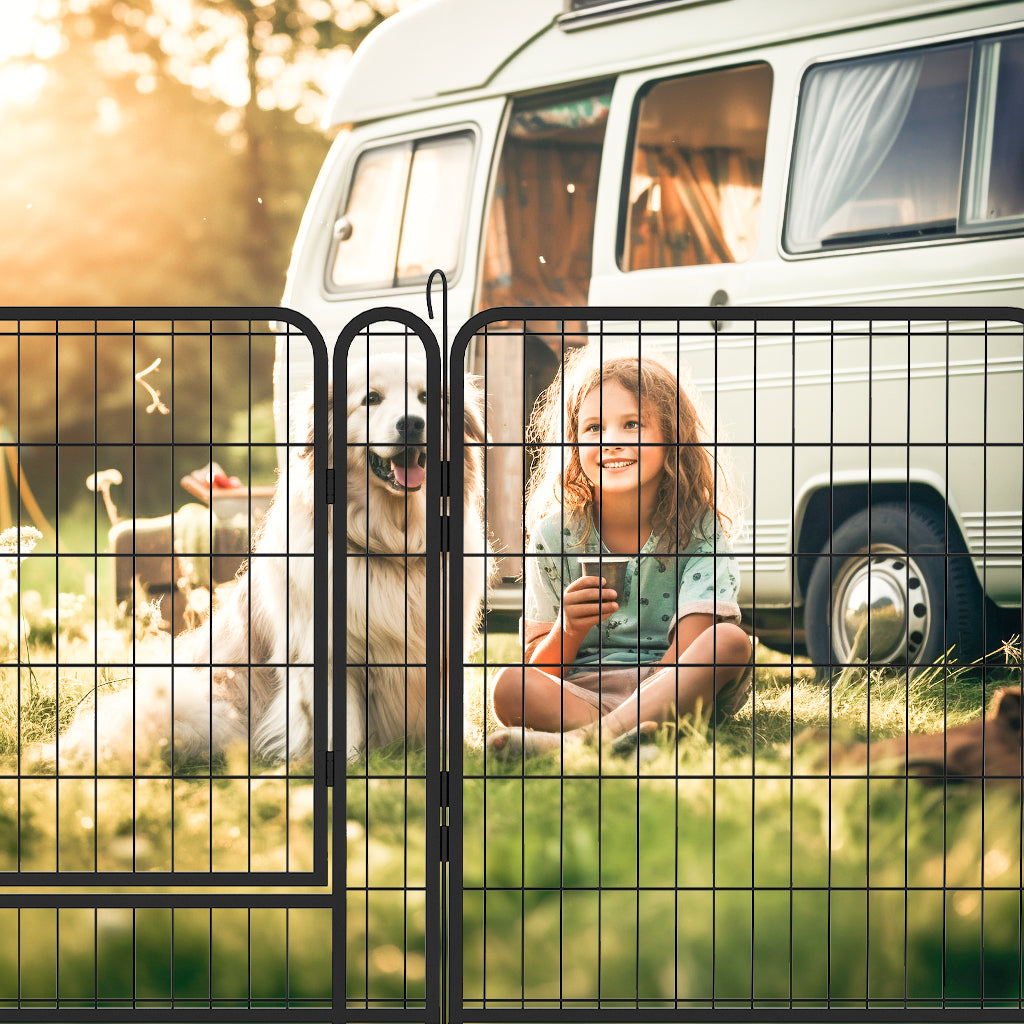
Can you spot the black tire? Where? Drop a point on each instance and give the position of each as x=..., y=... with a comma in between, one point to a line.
x=921, y=602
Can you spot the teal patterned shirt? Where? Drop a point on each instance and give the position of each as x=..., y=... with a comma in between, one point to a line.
x=660, y=590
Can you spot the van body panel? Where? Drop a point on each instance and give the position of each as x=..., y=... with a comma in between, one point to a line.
x=808, y=414
x=434, y=49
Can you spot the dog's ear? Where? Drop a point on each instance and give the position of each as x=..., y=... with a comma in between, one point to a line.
x=1006, y=708
x=474, y=410
x=304, y=424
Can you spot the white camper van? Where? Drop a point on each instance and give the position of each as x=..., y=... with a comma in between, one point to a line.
x=728, y=153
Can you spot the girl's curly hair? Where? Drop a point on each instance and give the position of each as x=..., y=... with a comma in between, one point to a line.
x=694, y=481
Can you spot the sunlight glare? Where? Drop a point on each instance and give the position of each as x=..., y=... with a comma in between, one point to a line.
x=22, y=39
x=20, y=27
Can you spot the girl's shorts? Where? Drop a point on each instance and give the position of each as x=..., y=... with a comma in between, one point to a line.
x=606, y=688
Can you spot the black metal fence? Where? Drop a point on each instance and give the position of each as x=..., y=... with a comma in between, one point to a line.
x=842, y=841
x=847, y=843
x=163, y=805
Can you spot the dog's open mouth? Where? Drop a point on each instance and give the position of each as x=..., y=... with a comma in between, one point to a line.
x=404, y=471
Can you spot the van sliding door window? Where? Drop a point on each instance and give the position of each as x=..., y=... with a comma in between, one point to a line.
x=698, y=156
x=404, y=215
x=923, y=144
x=540, y=228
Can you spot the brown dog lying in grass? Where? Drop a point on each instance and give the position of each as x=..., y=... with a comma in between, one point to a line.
x=988, y=748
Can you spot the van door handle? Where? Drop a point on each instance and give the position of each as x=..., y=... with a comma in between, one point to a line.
x=720, y=298
x=342, y=229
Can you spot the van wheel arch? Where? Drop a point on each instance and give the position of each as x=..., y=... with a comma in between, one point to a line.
x=829, y=507
x=900, y=546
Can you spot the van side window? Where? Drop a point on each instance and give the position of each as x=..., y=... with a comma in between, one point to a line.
x=697, y=161
x=540, y=231
x=927, y=143
x=404, y=214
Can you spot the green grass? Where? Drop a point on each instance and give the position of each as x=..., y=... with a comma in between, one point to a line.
x=199, y=819
x=112, y=956
x=723, y=864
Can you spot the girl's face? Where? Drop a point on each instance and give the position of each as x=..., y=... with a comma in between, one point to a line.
x=610, y=432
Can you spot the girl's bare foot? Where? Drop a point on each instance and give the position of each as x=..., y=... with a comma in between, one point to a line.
x=510, y=744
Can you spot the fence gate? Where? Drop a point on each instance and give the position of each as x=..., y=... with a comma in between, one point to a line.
x=164, y=804
x=772, y=865
x=387, y=365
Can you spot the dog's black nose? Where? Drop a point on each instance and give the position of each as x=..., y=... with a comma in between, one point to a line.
x=411, y=428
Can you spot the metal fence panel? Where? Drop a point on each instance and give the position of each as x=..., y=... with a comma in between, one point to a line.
x=847, y=844
x=388, y=368
x=164, y=802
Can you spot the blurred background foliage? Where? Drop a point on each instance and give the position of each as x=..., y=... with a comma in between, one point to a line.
x=156, y=152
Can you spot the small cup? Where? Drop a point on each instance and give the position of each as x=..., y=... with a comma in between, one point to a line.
x=611, y=567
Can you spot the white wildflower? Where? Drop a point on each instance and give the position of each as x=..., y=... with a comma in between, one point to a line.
x=15, y=543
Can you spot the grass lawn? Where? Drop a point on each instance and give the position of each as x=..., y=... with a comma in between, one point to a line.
x=724, y=865
x=727, y=865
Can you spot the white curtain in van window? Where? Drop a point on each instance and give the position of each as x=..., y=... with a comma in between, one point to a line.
x=850, y=117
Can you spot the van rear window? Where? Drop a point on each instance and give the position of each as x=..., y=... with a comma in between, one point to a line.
x=922, y=144
x=404, y=213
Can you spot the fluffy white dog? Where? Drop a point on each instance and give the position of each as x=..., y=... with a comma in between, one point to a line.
x=246, y=675
x=386, y=466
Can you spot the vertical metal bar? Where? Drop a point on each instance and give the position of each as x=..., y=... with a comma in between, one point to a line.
x=676, y=896
x=173, y=755
x=984, y=653
x=561, y=747
x=134, y=647
x=339, y=628
x=454, y=906
x=436, y=416
x=869, y=665
x=522, y=781
x=95, y=588
x=906, y=706
x=452, y=568
x=945, y=681
x=17, y=492
x=365, y=654
x=196, y=555
x=56, y=582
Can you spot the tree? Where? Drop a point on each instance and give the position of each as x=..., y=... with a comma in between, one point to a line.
x=128, y=181
x=254, y=60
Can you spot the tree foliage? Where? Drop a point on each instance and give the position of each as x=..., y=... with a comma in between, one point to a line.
x=165, y=160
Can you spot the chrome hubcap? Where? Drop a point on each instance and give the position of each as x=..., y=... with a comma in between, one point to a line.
x=880, y=609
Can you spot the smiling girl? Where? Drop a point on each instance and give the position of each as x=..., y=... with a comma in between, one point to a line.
x=633, y=477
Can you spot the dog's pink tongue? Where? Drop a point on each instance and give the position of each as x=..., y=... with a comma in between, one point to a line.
x=409, y=476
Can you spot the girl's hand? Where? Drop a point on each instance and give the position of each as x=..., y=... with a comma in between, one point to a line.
x=584, y=605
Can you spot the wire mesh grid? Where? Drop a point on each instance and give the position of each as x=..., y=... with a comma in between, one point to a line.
x=769, y=863
x=164, y=701
x=844, y=841
x=389, y=368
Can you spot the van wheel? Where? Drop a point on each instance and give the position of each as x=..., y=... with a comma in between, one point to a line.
x=884, y=592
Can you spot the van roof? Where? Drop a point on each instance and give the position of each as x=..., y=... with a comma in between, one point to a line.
x=432, y=49
x=437, y=49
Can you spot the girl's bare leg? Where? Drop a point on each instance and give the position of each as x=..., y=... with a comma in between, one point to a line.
x=717, y=657
x=527, y=696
